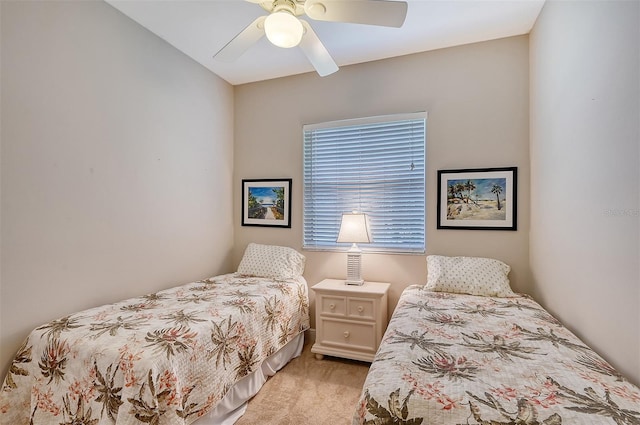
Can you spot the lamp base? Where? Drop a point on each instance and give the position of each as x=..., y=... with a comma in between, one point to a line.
x=354, y=267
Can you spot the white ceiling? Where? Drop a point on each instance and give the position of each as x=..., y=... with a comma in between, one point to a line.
x=200, y=28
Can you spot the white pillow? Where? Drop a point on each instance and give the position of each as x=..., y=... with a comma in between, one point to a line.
x=270, y=261
x=468, y=275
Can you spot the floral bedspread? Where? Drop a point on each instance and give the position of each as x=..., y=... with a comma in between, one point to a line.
x=164, y=358
x=449, y=359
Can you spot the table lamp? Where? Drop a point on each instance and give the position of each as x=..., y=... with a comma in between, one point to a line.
x=354, y=228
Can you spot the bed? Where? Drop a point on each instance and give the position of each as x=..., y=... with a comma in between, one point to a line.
x=191, y=353
x=465, y=349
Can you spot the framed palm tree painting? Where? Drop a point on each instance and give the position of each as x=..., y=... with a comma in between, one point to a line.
x=266, y=202
x=478, y=199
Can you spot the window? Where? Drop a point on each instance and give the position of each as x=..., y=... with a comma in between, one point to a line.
x=372, y=165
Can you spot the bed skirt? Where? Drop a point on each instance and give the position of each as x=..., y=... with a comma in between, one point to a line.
x=234, y=403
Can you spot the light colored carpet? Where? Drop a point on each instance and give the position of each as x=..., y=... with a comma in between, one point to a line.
x=309, y=392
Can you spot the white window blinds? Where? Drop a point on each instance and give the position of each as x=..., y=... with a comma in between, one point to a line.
x=371, y=165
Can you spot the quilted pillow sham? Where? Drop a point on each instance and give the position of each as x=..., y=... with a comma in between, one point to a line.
x=468, y=275
x=271, y=261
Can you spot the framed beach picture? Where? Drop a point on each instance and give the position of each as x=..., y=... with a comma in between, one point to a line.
x=478, y=199
x=266, y=202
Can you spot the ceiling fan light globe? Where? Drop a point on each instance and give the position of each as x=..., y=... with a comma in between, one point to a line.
x=283, y=29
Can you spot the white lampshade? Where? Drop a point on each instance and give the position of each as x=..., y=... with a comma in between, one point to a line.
x=283, y=29
x=354, y=228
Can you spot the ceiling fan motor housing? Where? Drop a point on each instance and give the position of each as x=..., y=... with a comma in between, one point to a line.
x=295, y=7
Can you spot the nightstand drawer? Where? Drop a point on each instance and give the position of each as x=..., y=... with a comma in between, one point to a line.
x=362, y=308
x=333, y=305
x=349, y=334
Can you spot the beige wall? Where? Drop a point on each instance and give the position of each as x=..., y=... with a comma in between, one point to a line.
x=477, y=101
x=585, y=162
x=117, y=154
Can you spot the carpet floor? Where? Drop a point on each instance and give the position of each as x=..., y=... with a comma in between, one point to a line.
x=308, y=391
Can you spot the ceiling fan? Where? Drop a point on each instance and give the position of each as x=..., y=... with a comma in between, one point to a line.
x=284, y=28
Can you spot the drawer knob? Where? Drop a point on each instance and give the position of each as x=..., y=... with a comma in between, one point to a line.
x=332, y=306
x=346, y=334
x=360, y=309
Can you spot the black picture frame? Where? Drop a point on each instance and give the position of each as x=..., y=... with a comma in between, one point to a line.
x=466, y=199
x=266, y=202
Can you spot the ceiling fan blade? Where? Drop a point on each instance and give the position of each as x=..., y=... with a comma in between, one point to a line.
x=241, y=42
x=316, y=52
x=371, y=12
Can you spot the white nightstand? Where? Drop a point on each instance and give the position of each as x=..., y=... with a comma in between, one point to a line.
x=350, y=320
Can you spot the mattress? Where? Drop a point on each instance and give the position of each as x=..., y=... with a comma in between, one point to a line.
x=450, y=359
x=165, y=358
